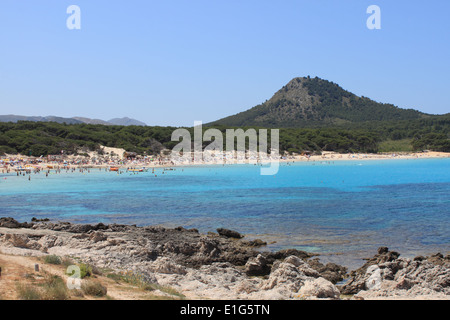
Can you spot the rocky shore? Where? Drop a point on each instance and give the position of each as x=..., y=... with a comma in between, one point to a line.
x=224, y=265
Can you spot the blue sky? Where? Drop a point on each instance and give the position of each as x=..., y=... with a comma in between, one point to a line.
x=173, y=62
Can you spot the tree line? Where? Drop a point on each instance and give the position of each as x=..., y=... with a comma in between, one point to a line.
x=43, y=138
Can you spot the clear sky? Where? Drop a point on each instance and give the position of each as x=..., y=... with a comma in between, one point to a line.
x=173, y=62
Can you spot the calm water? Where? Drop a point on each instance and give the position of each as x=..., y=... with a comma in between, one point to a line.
x=344, y=210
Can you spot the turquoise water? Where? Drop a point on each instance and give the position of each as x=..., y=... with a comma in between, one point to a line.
x=344, y=210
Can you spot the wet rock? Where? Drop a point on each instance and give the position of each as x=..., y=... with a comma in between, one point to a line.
x=39, y=220
x=437, y=259
x=383, y=250
x=283, y=254
x=255, y=243
x=14, y=224
x=330, y=271
x=229, y=233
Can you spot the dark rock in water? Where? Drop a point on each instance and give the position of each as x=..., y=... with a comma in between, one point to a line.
x=84, y=228
x=383, y=250
x=283, y=254
x=14, y=224
x=80, y=228
x=39, y=220
x=255, y=243
x=100, y=226
x=437, y=259
x=229, y=233
x=184, y=229
x=330, y=271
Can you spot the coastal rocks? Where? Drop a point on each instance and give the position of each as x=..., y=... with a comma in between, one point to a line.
x=387, y=275
x=68, y=227
x=17, y=240
x=217, y=267
x=285, y=276
x=330, y=271
x=13, y=224
x=318, y=288
x=289, y=277
x=260, y=266
x=219, y=280
x=97, y=236
x=374, y=278
x=47, y=242
x=283, y=254
x=166, y=266
x=257, y=266
x=229, y=233
x=84, y=228
x=358, y=278
x=255, y=243
x=209, y=248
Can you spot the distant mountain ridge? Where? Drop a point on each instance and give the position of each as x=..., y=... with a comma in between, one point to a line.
x=314, y=102
x=74, y=120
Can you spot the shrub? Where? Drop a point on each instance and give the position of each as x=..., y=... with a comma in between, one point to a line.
x=85, y=270
x=93, y=288
x=55, y=288
x=27, y=292
x=52, y=259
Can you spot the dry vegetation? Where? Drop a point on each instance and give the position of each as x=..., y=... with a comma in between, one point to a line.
x=21, y=280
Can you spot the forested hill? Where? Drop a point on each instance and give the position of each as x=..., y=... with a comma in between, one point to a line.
x=312, y=115
x=314, y=102
x=42, y=138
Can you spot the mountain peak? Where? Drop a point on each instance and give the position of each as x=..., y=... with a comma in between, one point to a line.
x=74, y=120
x=306, y=102
x=125, y=121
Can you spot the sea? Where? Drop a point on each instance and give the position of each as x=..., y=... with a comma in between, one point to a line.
x=341, y=210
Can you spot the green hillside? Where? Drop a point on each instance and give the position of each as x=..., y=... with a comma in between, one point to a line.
x=312, y=114
x=313, y=102
x=42, y=138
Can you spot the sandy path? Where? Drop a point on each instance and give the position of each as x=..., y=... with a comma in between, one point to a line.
x=21, y=270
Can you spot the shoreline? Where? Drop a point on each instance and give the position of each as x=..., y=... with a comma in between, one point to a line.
x=337, y=255
x=17, y=162
x=224, y=265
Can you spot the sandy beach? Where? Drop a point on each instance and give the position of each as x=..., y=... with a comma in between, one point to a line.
x=24, y=163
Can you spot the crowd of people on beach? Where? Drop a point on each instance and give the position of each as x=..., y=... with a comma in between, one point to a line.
x=24, y=165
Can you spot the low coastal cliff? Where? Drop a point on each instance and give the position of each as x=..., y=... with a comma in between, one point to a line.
x=224, y=265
